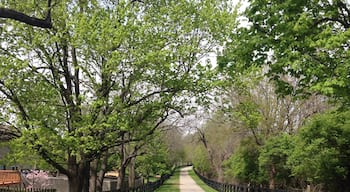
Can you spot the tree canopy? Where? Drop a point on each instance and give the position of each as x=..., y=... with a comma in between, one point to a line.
x=106, y=73
x=304, y=43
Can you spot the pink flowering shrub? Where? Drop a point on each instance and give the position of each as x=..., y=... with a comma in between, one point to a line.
x=37, y=179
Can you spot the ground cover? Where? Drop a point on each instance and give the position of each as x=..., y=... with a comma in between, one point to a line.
x=172, y=184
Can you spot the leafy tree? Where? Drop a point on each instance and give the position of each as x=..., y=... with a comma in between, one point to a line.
x=263, y=117
x=155, y=160
x=304, y=44
x=201, y=161
x=244, y=164
x=273, y=160
x=103, y=72
x=321, y=155
x=174, y=140
x=23, y=156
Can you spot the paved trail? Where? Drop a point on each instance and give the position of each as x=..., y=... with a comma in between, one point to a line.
x=187, y=184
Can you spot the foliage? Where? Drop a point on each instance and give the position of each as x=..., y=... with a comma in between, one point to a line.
x=105, y=70
x=304, y=44
x=174, y=141
x=322, y=153
x=201, y=160
x=23, y=157
x=243, y=163
x=317, y=154
x=273, y=159
x=155, y=161
x=248, y=113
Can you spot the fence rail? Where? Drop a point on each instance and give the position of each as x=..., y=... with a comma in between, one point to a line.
x=152, y=186
x=148, y=187
x=224, y=187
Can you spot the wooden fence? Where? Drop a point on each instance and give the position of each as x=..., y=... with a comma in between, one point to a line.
x=148, y=187
x=224, y=187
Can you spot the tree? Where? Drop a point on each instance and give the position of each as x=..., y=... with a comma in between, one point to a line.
x=103, y=72
x=321, y=155
x=273, y=160
x=263, y=117
x=175, y=140
x=219, y=141
x=201, y=161
x=244, y=164
x=155, y=159
x=23, y=156
x=304, y=40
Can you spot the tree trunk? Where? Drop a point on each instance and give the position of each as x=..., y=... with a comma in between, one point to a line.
x=220, y=174
x=121, y=180
x=272, y=175
x=101, y=172
x=79, y=178
x=93, y=175
x=132, y=173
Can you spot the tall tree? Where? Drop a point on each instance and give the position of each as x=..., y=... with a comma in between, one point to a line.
x=306, y=40
x=260, y=115
x=103, y=71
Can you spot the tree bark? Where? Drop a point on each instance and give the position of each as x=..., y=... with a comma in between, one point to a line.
x=272, y=175
x=121, y=180
x=132, y=173
x=123, y=164
x=78, y=178
x=93, y=175
x=101, y=172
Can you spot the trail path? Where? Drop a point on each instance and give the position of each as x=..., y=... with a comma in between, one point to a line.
x=187, y=184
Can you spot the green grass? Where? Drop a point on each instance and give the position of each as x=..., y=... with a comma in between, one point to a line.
x=199, y=182
x=172, y=184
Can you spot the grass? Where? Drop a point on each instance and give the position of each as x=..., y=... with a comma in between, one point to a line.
x=172, y=184
x=199, y=182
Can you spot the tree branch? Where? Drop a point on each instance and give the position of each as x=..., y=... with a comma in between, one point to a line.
x=345, y=25
x=170, y=90
x=21, y=17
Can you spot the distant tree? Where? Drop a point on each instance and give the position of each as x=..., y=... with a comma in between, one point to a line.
x=155, y=158
x=243, y=164
x=219, y=141
x=262, y=116
x=201, y=161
